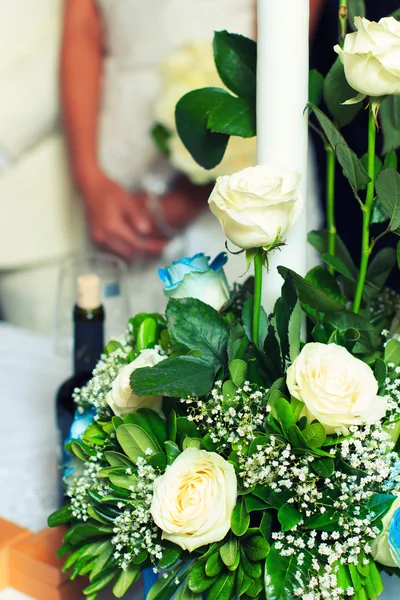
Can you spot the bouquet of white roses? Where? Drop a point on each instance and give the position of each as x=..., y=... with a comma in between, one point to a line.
x=222, y=447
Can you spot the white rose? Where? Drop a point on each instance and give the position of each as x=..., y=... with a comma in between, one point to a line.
x=257, y=205
x=381, y=549
x=194, y=499
x=371, y=57
x=337, y=389
x=121, y=399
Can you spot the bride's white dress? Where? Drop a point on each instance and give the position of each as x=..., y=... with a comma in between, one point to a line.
x=139, y=36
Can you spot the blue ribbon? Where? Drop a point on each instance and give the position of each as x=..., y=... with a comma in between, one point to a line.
x=149, y=579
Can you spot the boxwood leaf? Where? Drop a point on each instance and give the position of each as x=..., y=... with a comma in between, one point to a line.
x=222, y=589
x=314, y=435
x=228, y=552
x=256, y=547
x=288, y=517
x=240, y=519
x=135, y=441
x=125, y=580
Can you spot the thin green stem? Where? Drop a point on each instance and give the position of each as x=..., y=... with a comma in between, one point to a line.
x=258, y=267
x=367, y=210
x=330, y=201
x=343, y=12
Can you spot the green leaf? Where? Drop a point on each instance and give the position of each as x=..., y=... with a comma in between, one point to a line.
x=247, y=321
x=237, y=342
x=295, y=332
x=223, y=588
x=336, y=91
x=135, y=441
x=172, y=451
x=283, y=310
x=288, y=517
x=60, y=517
x=198, y=581
x=256, y=547
x=102, y=560
x=369, y=337
x=392, y=352
x=191, y=117
x=352, y=166
x=283, y=575
x=284, y=413
x=325, y=467
x=379, y=214
x=315, y=85
x=194, y=325
x=311, y=295
x=240, y=519
x=398, y=254
x=314, y=435
x=338, y=265
x=378, y=166
x=319, y=240
x=388, y=189
x=378, y=505
x=178, y=377
x=184, y=593
x=161, y=136
x=214, y=565
x=100, y=583
x=356, y=9
x=332, y=133
x=373, y=583
x=170, y=556
x=252, y=569
x=125, y=482
x=380, y=268
x=112, y=346
x=266, y=524
x=147, y=334
x=238, y=371
x=380, y=371
x=152, y=423
x=389, y=114
x=236, y=61
x=390, y=161
x=233, y=116
x=165, y=587
x=229, y=551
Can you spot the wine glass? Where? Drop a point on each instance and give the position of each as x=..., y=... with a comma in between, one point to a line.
x=113, y=274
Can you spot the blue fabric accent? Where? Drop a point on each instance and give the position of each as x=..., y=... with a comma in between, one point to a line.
x=149, y=579
x=394, y=537
x=173, y=275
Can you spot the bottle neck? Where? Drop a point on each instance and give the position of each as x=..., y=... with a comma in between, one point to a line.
x=88, y=338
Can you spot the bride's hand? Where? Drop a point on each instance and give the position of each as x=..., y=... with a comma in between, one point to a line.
x=119, y=221
x=184, y=204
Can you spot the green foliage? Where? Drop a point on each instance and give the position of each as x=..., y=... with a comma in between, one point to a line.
x=392, y=352
x=161, y=136
x=194, y=325
x=236, y=61
x=356, y=9
x=388, y=189
x=283, y=575
x=284, y=309
x=135, y=441
x=379, y=270
x=240, y=519
x=319, y=240
x=315, y=86
x=336, y=91
x=179, y=377
x=390, y=119
x=60, y=517
x=288, y=517
x=233, y=116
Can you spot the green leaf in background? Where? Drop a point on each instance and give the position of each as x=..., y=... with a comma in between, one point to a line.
x=288, y=517
x=390, y=160
x=238, y=371
x=338, y=266
x=161, y=136
x=319, y=240
x=315, y=85
x=314, y=435
x=284, y=574
x=283, y=309
x=135, y=441
x=380, y=268
x=247, y=317
x=332, y=133
x=165, y=587
x=311, y=295
x=378, y=167
x=194, y=325
x=323, y=280
x=191, y=117
x=257, y=548
x=60, y=517
x=390, y=119
x=236, y=61
x=233, y=116
x=223, y=588
x=229, y=551
x=398, y=254
x=356, y=9
x=178, y=377
x=295, y=332
x=388, y=189
x=352, y=166
x=379, y=214
x=336, y=91
x=369, y=337
x=392, y=353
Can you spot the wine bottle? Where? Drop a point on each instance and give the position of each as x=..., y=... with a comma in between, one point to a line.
x=88, y=318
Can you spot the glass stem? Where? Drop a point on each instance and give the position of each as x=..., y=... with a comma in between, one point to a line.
x=367, y=210
x=258, y=267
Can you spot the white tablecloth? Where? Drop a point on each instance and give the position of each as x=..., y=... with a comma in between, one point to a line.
x=29, y=377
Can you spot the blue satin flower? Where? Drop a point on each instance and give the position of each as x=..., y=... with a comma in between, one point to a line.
x=79, y=425
x=394, y=537
x=197, y=278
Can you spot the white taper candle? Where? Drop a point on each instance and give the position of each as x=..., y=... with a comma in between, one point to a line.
x=282, y=131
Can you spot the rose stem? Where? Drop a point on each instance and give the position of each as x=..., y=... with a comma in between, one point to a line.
x=330, y=201
x=343, y=12
x=258, y=267
x=367, y=209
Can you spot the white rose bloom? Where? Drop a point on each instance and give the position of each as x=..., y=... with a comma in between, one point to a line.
x=381, y=550
x=121, y=399
x=257, y=205
x=337, y=389
x=189, y=68
x=194, y=499
x=371, y=57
